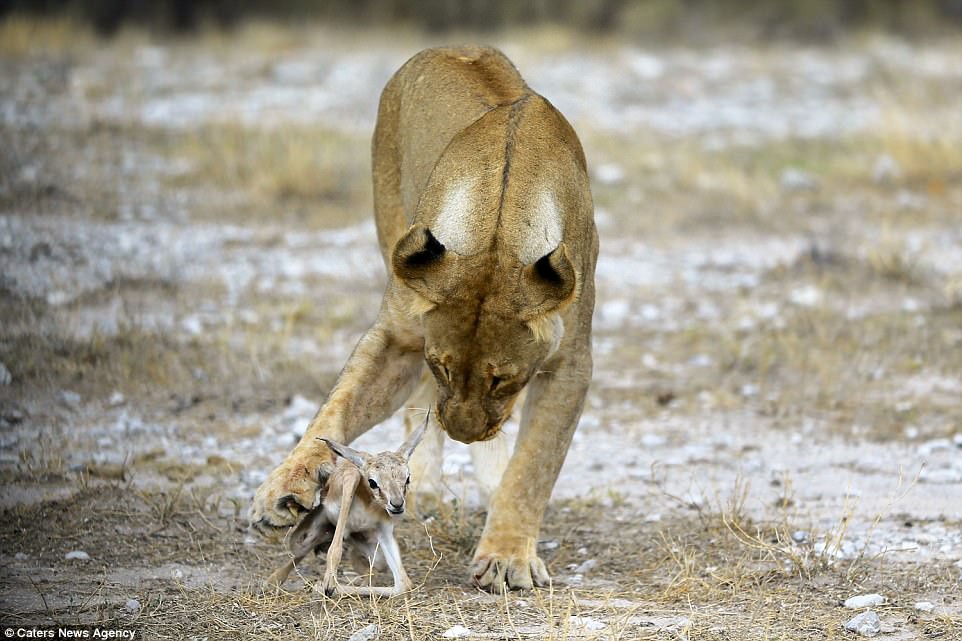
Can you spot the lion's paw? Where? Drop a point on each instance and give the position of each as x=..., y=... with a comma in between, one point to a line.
x=289, y=491
x=496, y=573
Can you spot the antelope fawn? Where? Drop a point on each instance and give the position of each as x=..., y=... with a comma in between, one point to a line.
x=363, y=496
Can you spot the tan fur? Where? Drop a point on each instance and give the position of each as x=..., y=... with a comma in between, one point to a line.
x=463, y=146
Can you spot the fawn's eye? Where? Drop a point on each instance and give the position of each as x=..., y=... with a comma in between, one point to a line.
x=372, y=483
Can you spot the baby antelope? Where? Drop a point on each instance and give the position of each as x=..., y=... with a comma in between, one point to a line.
x=363, y=496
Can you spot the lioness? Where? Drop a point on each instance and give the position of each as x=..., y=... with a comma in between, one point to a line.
x=486, y=225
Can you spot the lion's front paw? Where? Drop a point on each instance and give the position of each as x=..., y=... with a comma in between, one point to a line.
x=495, y=573
x=289, y=491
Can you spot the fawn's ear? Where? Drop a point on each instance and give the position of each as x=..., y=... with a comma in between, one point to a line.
x=345, y=452
x=407, y=447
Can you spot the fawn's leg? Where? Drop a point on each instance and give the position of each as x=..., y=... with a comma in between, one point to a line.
x=314, y=532
x=351, y=478
x=392, y=554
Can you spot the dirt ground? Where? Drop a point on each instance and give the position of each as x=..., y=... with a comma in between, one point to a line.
x=187, y=257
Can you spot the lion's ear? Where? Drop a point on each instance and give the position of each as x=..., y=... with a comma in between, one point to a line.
x=417, y=256
x=549, y=283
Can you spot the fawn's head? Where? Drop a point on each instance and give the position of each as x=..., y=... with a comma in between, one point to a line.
x=386, y=474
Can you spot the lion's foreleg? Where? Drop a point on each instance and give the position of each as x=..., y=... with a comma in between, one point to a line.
x=506, y=554
x=378, y=377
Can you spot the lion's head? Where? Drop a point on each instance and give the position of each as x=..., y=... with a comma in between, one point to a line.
x=488, y=325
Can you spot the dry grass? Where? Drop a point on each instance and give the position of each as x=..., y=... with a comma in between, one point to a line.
x=712, y=575
x=23, y=36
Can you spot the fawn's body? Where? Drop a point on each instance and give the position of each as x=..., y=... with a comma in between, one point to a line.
x=362, y=497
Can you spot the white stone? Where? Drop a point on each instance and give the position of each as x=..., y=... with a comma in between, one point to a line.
x=20, y=556
x=456, y=632
x=793, y=179
x=116, y=399
x=77, y=555
x=924, y=606
x=866, y=624
x=586, y=566
x=806, y=296
x=369, y=632
x=70, y=398
x=587, y=623
x=864, y=601
x=132, y=605
x=5, y=376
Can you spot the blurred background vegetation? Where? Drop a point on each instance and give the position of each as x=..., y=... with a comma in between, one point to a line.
x=810, y=20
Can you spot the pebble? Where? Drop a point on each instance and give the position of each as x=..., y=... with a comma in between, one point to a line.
x=924, y=606
x=866, y=624
x=369, y=632
x=551, y=544
x=70, y=398
x=864, y=601
x=586, y=623
x=800, y=536
x=5, y=376
x=793, y=179
x=77, y=555
x=20, y=556
x=456, y=632
x=586, y=566
x=116, y=399
x=132, y=605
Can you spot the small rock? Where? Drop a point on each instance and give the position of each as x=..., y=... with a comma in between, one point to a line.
x=551, y=544
x=935, y=445
x=132, y=605
x=11, y=416
x=942, y=475
x=924, y=606
x=72, y=399
x=864, y=601
x=5, y=376
x=807, y=296
x=20, y=556
x=793, y=179
x=886, y=169
x=653, y=440
x=586, y=566
x=177, y=574
x=456, y=632
x=866, y=624
x=116, y=399
x=192, y=325
x=369, y=632
x=586, y=623
x=800, y=536
x=957, y=439
x=77, y=555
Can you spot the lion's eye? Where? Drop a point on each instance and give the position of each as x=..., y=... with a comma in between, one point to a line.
x=495, y=381
x=372, y=483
